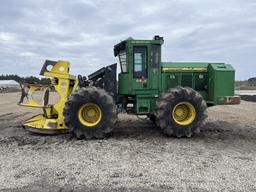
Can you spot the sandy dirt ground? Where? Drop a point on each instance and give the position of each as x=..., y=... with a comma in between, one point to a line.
x=137, y=156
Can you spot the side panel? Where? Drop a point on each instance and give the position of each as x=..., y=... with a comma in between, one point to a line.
x=198, y=80
x=145, y=104
x=124, y=84
x=214, y=84
x=221, y=82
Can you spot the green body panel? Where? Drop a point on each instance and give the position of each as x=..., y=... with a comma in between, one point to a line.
x=221, y=82
x=124, y=83
x=213, y=81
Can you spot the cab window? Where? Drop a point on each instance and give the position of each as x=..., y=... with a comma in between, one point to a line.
x=123, y=60
x=140, y=62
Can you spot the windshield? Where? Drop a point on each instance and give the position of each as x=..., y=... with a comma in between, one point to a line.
x=123, y=60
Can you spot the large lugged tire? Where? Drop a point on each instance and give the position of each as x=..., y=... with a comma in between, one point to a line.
x=180, y=112
x=90, y=113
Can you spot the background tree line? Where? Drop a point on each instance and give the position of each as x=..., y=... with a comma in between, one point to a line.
x=30, y=79
x=252, y=81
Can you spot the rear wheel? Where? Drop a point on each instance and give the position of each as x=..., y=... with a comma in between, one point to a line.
x=180, y=112
x=90, y=113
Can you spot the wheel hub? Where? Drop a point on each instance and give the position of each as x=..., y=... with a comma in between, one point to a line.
x=184, y=113
x=90, y=114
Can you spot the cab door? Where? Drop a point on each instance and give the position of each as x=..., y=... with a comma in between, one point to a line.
x=140, y=67
x=145, y=68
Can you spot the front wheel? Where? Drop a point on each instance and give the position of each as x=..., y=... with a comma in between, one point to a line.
x=180, y=112
x=90, y=113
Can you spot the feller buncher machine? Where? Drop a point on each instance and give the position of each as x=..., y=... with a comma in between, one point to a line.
x=174, y=95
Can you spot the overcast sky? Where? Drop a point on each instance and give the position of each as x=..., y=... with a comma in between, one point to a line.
x=84, y=32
